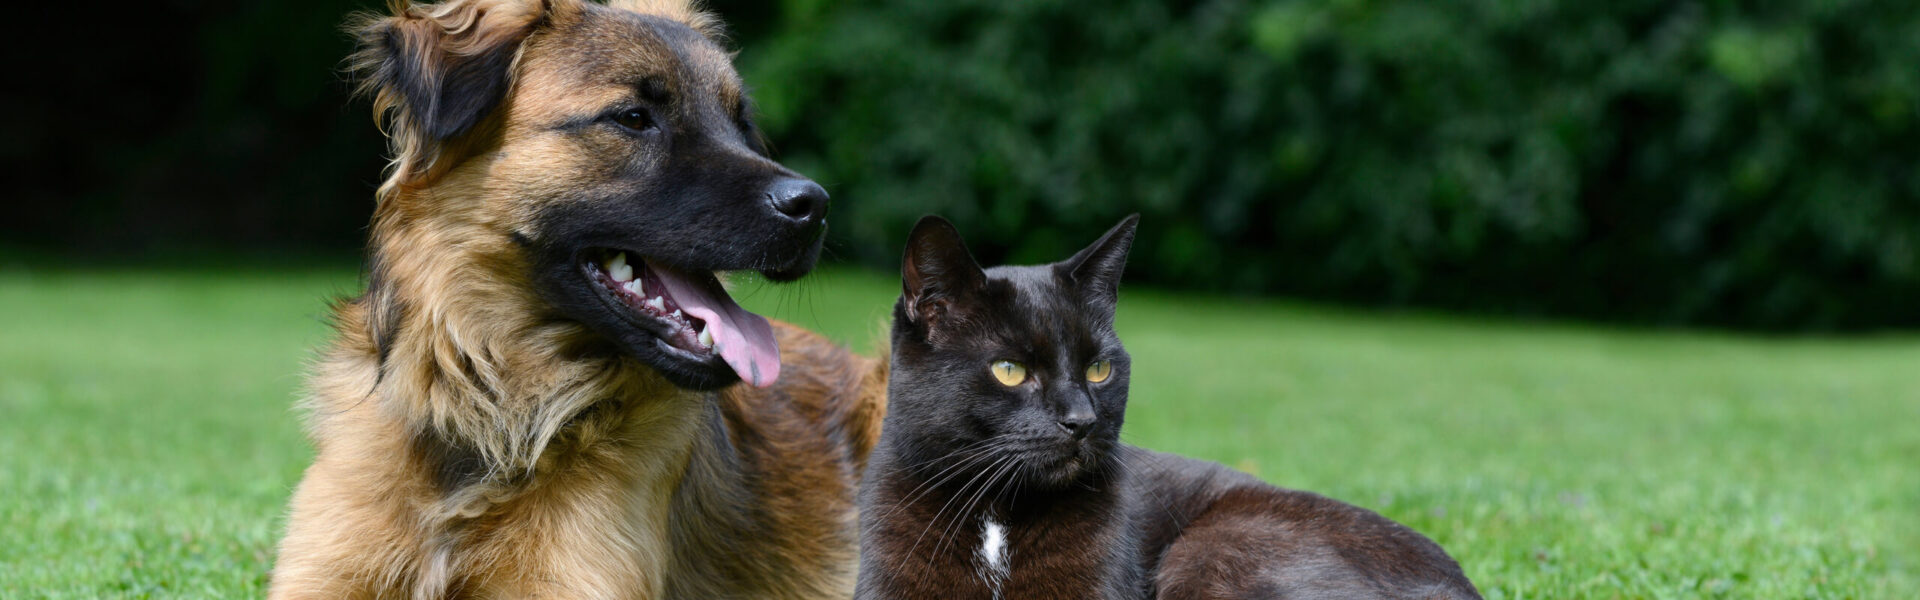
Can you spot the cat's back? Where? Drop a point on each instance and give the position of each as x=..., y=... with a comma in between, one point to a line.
x=1213, y=532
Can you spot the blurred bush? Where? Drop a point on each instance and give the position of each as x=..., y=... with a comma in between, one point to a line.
x=1747, y=164
x=1734, y=164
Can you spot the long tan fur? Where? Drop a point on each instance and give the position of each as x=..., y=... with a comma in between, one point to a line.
x=473, y=444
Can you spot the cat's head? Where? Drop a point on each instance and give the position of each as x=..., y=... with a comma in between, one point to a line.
x=1013, y=368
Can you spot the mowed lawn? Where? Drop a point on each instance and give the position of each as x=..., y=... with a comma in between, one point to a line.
x=148, y=445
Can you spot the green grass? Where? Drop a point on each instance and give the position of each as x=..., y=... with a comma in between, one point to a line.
x=147, y=444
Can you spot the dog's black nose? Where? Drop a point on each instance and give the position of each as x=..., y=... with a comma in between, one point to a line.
x=799, y=199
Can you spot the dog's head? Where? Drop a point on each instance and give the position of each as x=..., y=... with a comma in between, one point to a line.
x=605, y=156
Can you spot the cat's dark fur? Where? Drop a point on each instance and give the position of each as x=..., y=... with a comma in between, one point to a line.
x=980, y=489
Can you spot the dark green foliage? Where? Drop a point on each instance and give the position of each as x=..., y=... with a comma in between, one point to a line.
x=1732, y=164
x=1739, y=164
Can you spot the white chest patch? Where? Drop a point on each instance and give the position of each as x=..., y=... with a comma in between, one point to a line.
x=993, y=558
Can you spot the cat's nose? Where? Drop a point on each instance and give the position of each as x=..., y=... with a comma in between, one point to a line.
x=1077, y=423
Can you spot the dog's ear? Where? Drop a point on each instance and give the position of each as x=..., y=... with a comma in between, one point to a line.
x=1095, y=271
x=936, y=273
x=436, y=70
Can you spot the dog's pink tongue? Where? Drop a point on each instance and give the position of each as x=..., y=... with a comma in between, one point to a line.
x=744, y=339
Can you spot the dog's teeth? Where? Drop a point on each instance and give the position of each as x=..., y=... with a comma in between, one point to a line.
x=636, y=288
x=657, y=303
x=619, y=269
x=706, y=337
x=676, y=313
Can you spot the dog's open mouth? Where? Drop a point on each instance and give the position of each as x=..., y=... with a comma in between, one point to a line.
x=690, y=313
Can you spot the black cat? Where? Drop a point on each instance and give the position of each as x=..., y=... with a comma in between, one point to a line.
x=1000, y=474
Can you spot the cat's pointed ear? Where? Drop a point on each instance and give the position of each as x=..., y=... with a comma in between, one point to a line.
x=936, y=271
x=1096, y=270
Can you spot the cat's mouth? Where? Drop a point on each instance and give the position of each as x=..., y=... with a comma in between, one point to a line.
x=1058, y=464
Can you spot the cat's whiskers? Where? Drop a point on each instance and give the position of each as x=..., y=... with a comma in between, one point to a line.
x=983, y=446
x=1019, y=469
x=978, y=477
x=982, y=450
x=997, y=550
x=985, y=478
x=930, y=486
x=995, y=554
x=1004, y=467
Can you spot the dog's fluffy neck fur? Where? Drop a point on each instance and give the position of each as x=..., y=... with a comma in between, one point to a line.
x=520, y=401
x=467, y=352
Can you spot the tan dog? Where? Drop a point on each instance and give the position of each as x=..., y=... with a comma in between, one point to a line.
x=545, y=392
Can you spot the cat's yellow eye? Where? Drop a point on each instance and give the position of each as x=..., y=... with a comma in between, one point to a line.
x=1098, y=371
x=1008, y=372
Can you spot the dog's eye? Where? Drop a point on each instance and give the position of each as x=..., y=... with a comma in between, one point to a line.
x=637, y=119
x=1008, y=372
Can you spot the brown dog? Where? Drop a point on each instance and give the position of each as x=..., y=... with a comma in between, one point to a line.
x=541, y=393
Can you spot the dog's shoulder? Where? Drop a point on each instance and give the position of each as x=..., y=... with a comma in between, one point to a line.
x=822, y=386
